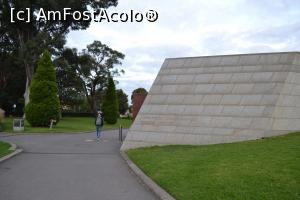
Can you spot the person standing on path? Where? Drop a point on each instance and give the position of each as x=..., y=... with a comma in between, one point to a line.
x=99, y=124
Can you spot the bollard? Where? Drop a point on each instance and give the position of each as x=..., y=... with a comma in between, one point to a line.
x=121, y=133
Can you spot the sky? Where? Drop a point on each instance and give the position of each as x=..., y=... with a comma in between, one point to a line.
x=193, y=28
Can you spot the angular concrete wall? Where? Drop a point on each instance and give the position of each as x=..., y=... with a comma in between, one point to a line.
x=220, y=99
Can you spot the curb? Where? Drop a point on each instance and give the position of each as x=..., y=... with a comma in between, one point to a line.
x=15, y=152
x=157, y=190
x=9, y=134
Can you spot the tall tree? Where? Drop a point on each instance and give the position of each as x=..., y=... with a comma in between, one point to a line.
x=44, y=103
x=123, y=101
x=110, y=105
x=30, y=39
x=93, y=67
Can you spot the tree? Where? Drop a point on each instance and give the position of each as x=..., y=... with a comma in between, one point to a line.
x=12, y=83
x=123, y=101
x=139, y=91
x=44, y=103
x=110, y=105
x=93, y=68
x=30, y=39
x=70, y=89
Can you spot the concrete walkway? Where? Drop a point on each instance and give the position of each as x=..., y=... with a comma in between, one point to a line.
x=69, y=167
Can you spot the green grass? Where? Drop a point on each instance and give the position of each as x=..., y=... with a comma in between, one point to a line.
x=68, y=125
x=4, y=149
x=266, y=169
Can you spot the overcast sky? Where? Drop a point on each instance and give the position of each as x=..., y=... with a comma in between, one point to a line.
x=193, y=28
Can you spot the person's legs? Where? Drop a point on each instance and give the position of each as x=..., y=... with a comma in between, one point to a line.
x=97, y=131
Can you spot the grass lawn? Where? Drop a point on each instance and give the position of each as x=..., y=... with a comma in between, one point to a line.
x=4, y=149
x=260, y=169
x=68, y=125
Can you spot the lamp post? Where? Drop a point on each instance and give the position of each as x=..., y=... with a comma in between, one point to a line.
x=14, y=109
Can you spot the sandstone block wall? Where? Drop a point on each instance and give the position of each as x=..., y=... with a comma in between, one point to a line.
x=220, y=99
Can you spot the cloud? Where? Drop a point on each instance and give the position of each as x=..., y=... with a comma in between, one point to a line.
x=193, y=28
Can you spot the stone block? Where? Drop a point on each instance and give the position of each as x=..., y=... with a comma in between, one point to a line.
x=220, y=122
x=185, y=89
x=159, y=109
x=155, y=89
x=194, y=70
x=231, y=99
x=243, y=88
x=184, y=79
x=261, y=123
x=175, y=63
x=211, y=99
x=167, y=129
x=290, y=125
x=223, y=88
x=252, y=68
x=269, y=59
x=175, y=99
x=279, y=76
x=168, y=89
x=212, y=110
x=157, y=99
x=243, y=123
x=287, y=112
x=210, y=62
x=202, y=130
x=193, y=109
x=177, y=71
x=253, y=111
x=221, y=78
x=192, y=99
x=175, y=109
x=248, y=60
x=204, y=89
x=203, y=78
x=167, y=79
x=269, y=99
x=202, y=121
x=295, y=90
x=251, y=99
x=230, y=60
x=265, y=88
x=184, y=129
x=213, y=70
x=262, y=77
x=241, y=77
x=232, y=110
x=222, y=131
x=227, y=69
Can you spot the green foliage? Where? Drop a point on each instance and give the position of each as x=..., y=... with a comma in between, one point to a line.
x=110, y=105
x=93, y=67
x=139, y=91
x=4, y=149
x=44, y=102
x=123, y=101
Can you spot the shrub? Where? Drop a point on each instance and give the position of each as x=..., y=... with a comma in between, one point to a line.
x=110, y=105
x=43, y=99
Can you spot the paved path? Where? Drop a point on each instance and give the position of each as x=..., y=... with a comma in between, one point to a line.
x=69, y=167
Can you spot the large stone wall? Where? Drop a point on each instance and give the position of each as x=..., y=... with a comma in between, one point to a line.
x=220, y=99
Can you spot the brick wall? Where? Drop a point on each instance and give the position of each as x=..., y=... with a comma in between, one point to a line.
x=138, y=100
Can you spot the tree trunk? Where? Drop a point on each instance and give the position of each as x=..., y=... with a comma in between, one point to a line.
x=29, y=74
